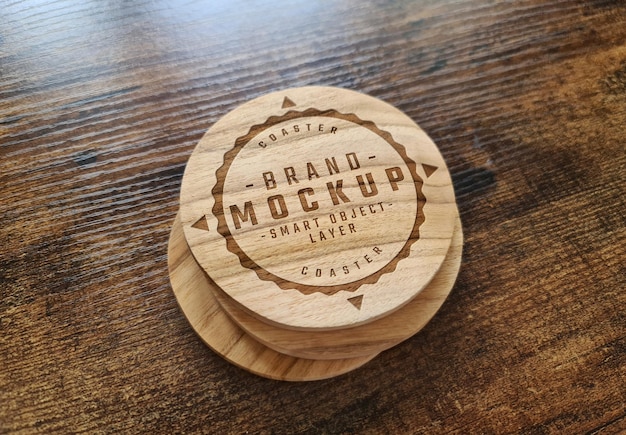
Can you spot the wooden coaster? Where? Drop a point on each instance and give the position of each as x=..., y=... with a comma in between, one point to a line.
x=318, y=208
x=220, y=333
x=363, y=340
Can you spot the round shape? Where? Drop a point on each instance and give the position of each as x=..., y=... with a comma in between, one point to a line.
x=286, y=204
x=308, y=208
x=221, y=334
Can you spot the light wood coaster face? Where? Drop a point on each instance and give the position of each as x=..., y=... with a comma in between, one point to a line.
x=318, y=208
x=220, y=333
x=363, y=340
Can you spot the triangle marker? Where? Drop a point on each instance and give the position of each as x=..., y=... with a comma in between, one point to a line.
x=357, y=301
x=429, y=169
x=201, y=224
x=287, y=103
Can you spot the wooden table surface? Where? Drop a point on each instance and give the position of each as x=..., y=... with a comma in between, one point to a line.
x=101, y=104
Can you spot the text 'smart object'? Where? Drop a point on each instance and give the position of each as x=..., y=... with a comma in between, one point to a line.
x=317, y=228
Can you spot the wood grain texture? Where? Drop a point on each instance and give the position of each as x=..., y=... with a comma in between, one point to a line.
x=101, y=105
x=217, y=329
x=296, y=211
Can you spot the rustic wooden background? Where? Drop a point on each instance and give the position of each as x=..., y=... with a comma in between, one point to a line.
x=101, y=104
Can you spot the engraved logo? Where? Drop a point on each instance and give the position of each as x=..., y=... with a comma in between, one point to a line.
x=318, y=201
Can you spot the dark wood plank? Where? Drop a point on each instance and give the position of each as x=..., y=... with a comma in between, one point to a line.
x=101, y=105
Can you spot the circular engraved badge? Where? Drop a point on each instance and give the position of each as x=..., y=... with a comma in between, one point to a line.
x=318, y=208
x=324, y=192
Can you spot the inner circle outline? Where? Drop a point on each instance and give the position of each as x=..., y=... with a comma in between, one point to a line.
x=263, y=274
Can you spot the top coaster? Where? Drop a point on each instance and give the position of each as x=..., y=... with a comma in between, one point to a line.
x=318, y=208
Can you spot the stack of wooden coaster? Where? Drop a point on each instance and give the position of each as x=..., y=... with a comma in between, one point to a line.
x=317, y=228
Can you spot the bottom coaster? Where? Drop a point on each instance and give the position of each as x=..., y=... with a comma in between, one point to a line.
x=221, y=334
